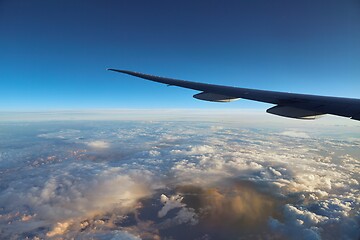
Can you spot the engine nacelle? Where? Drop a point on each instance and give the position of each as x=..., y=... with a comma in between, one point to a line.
x=213, y=97
x=293, y=112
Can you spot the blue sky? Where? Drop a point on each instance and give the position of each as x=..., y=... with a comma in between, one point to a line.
x=54, y=53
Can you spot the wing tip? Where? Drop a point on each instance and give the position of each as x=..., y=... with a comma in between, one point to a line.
x=114, y=70
x=122, y=71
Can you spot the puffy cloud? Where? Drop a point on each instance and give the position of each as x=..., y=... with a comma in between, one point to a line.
x=306, y=217
x=183, y=215
x=198, y=150
x=275, y=172
x=99, y=144
x=65, y=199
x=296, y=134
x=62, y=134
x=116, y=235
x=294, y=230
x=195, y=150
x=186, y=215
x=169, y=204
x=60, y=228
x=154, y=153
x=221, y=181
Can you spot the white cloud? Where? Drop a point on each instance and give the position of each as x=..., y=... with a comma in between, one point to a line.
x=169, y=204
x=99, y=144
x=296, y=134
x=65, y=199
x=294, y=231
x=57, y=191
x=62, y=134
x=195, y=150
x=184, y=214
x=275, y=172
x=204, y=149
x=307, y=218
x=59, y=229
x=154, y=153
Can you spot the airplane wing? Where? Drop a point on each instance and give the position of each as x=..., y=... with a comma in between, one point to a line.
x=292, y=105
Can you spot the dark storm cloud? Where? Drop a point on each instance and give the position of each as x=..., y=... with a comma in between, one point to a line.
x=238, y=208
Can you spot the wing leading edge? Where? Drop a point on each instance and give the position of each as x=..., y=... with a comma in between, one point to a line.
x=293, y=105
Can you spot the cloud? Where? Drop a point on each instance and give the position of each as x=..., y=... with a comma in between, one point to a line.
x=59, y=229
x=296, y=134
x=116, y=235
x=295, y=230
x=99, y=144
x=306, y=217
x=195, y=150
x=275, y=172
x=62, y=134
x=169, y=204
x=236, y=205
x=220, y=182
x=183, y=215
x=66, y=198
x=154, y=153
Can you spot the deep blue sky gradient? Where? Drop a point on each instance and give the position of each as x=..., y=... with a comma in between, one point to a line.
x=53, y=54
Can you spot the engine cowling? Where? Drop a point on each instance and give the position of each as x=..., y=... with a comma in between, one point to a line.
x=213, y=97
x=293, y=112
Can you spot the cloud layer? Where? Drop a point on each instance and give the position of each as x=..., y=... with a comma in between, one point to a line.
x=176, y=180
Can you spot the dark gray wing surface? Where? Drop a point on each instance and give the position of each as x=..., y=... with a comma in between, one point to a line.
x=293, y=105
